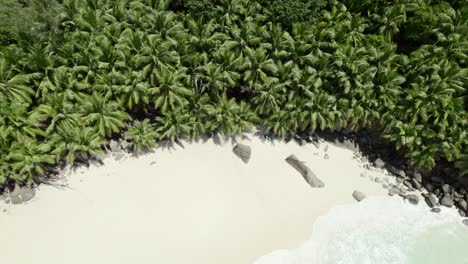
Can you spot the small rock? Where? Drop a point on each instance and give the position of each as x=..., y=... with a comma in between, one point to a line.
x=435, y=210
x=447, y=200
x=359, y=196
x=465, y=222
x=392, y=191
x=399, y=180
x=430, y=200
x=415, y=183
x=446, y=188
x=302, y=142
x=125, y=145
x=461, y=213
x=385, y=186
x=243, y=152
x=152, y=163
x=316, y=143
x=417, y=176
x=371, y=178
x=407, y=184
x=326, y=156
x=412, y=199
x=114, y=145
x=119, y=156
x=429, y=186
x=362, y=175
x=326, y=148
x=379, y=163
x=463, y=205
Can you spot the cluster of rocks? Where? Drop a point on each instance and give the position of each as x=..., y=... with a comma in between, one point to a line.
x=18, y=195
x=436, y=191
x=118, y=148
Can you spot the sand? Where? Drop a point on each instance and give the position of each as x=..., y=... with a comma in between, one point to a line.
x=196, y=204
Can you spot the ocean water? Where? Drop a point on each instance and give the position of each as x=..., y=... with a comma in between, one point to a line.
x=384, y=230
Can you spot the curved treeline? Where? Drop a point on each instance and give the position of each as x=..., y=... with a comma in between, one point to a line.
x=74, y=73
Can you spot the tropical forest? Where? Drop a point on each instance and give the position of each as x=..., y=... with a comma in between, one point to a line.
x=75, y=74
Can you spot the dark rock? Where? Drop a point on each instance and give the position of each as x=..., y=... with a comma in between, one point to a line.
x=407, y=184
x=379, y=163
x=446, y=188
x=308, y=175
x=435, y=210
x=412, y=199
x=437, y=179
x=416, y=184
x=463, y=205
x=437, y=192
x=429, y=186
x=243, y=152
x=430, y=200
x=447, y=200
x=461, y=213
x=399, y=180
x=359, y=196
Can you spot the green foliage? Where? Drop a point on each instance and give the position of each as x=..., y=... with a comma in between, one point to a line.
x=287, y=12
x=77, y=72
x=142, y=136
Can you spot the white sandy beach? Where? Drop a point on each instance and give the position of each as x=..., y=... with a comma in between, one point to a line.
x=194, y=205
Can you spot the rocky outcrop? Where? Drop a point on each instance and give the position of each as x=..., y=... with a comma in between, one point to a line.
x=243, y=152
x=308, y=175
x=359, y=196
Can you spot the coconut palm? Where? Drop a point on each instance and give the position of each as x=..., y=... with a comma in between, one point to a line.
x=14, y=86
x=71, y=142
x=105, y=115
x=168, y=92
x=142, y=136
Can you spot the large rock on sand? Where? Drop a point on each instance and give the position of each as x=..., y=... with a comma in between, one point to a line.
x=359, y=196
x=243, y=152
x=308, y=175
x=412, y=199
x=21, y=195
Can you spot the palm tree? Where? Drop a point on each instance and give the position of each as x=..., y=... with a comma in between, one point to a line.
x=155, y=55
x=259, y=67
x=105, y=115
x=142, y=136
x=70, y=142
x=173, y=125
x=27, y=158
x=168, y=92
x=14, y=86
x=201, y=114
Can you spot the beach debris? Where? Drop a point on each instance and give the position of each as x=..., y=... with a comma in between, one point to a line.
x=447, y=201
x=465, y=222
x=435, y=210
x=308, y=175
x=20, y=195
x=359, y=196
x=243, y=152
x=430, y=199
x=412, y=199
x=379, y=163
x=326, y=156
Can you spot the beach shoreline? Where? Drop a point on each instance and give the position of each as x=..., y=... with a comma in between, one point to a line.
x=190, y=203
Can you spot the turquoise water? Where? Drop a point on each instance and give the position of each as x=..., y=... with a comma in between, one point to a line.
x=381, y=231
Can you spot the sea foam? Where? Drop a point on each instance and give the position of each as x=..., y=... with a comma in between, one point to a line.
x=379, y=230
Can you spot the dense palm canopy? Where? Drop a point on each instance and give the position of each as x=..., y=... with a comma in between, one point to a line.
x=186, y=72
